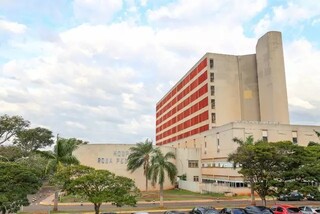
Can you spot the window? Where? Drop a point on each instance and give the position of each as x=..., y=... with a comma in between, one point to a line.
x=98, y=160
x=279, y=209
x=213, y=103
x=294, y=137
x=212, y=90
x=211, y=63
x=265, y=135
x=218, y=143
x=213, y=117
x=196, y=178
x=211, y=77
x=193, y=163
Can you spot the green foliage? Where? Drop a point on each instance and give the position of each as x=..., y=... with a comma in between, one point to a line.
x=140, y=157
x=10, y=126
x=99, y=186
x=65, y=174
x=280, y=167
x=33, y=139
x=160, y=166
x=183, y=177
x=61, y=154
x=16, y=182
x=36, y=163
x=10, y=153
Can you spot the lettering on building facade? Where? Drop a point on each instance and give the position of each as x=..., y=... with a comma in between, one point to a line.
x=119, y=157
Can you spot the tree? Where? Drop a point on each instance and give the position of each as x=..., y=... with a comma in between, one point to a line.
x=33, y=139
x=140, y=156
x=61, y=156
x=10, y=126
x=35, y=162
x=16, y=182
x=259, y=164
x=10, y=153
x=99, y=186
x=291, y=174
x=160, y=166
x=249, y=141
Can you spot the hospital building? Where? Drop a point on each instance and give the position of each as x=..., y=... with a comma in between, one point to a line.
x=221, y=97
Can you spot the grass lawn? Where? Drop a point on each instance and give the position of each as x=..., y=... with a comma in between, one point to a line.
x=169, y=195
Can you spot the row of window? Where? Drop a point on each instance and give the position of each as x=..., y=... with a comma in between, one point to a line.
x=294, y=136
x=234, y=184
x=189, y=99
x=193, y=109
x=184, y=135
x=184, y=125
x=184, y=82
x=218, y=165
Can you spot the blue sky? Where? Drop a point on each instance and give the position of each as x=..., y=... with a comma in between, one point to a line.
x=94, y=69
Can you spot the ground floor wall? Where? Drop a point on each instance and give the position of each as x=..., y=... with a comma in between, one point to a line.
x=202, y=159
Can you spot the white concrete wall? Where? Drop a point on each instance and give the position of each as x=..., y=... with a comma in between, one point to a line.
x=189, y=185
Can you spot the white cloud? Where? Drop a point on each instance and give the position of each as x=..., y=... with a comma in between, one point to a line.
x=96, y=11
x=291, y=14
x=12, y=27
x=100, y=82
x=298, y=102
x=75, y=125
x=302, y=74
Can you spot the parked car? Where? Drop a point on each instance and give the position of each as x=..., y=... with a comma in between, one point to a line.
x=233, y=211
x=309, y=210
x=313, y=197
x=173, y=212
x=258, y=210
x=285, y=209
x=294, y=196
x=204, y=210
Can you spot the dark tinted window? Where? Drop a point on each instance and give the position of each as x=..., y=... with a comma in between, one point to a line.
x=211, y=211
x=279, y=209
x=293, y=210
x=239, y=211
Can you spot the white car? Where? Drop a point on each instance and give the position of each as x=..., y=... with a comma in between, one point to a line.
x=309, y=210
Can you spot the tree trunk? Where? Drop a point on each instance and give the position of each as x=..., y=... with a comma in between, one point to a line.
x=56, y=198
x=146, y=183
x=264, y=201
x=161, y=195
x=3, y=210
x=97, y=207
x=253, y=201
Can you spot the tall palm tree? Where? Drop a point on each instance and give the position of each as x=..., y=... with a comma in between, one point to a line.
x=140, y=156
x=249, y=141
x=160, y=166
x=59, y=157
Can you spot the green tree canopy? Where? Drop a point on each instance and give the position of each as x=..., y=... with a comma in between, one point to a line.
x=33, y=139
x=10, y=126
x=10, y=153
x=59, y=157
x=246, y=154
x=16, y=182
x=160, y=167
x=140, y=157
x=99, y=186
x=259, y=164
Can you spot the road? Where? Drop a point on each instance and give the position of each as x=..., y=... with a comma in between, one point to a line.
x=185, y=205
